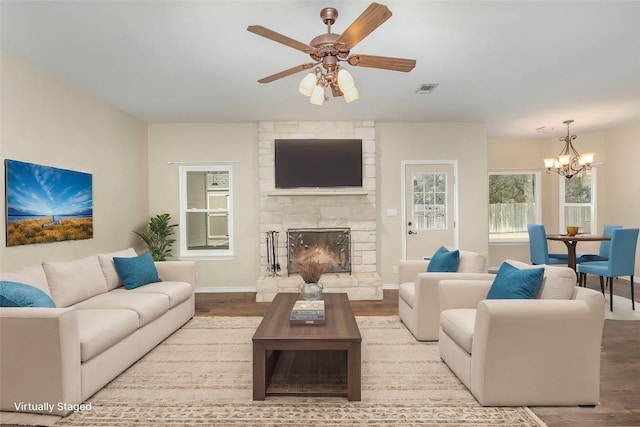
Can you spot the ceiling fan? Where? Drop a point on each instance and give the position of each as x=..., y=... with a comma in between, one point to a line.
x=330, y=48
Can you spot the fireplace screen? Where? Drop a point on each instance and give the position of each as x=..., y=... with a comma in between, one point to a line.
x=330, y=246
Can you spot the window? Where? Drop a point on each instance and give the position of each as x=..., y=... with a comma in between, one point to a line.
x=577, y=202
x=514, y=202
x=206, y=211
x=429, y=201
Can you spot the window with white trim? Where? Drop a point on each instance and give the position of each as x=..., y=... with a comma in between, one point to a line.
x=206, y=211
x=514, y=202
x=578, y=202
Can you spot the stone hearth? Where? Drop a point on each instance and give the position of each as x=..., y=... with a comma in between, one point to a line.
x=281, y=210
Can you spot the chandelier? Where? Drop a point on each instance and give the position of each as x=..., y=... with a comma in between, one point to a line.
x=569, y=162
x=337, y=79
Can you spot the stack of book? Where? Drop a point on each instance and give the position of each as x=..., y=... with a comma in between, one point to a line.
x=307, y=313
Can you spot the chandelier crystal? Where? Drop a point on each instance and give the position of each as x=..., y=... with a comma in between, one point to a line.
x=569, y=162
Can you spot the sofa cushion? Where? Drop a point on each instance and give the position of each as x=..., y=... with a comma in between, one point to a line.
x=176, y=291
x=444, y=260
x=136, y=271
x=459, y=324
x=32, y=275
x=73, y=281
x=558, y=282
x=14, y=294
x=406, y=292
x=472, y=262
x=513, y=283
x=109, y=268
x=148, y=306
x=100, y=329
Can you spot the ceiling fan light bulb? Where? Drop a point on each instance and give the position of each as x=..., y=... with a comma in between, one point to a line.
x=307, y=84
x=317, y=97
x=350, y=95
x=345, y=80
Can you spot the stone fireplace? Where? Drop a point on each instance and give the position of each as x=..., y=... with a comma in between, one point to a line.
x=329, y=246
x=316, y=209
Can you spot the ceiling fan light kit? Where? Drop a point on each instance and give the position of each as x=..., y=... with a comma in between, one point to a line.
x=329, y=49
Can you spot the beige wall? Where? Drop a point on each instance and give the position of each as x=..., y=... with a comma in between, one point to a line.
x=211, y=142
x=47, y=122
x=621, y=200
x=464, y=142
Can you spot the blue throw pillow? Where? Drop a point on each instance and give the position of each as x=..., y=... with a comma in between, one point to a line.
x=444, y=260
x=512, y=283
x=13, y=294
x=136, y=271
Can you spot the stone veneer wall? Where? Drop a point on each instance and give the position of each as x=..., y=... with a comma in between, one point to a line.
x=284, y=209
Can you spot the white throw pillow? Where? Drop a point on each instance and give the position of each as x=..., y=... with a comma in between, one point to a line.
x=472, y=262
x=32, y=275
x=558, y=282
x=73, y=281
x=109, y=268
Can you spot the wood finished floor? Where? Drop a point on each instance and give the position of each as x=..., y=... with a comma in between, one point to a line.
x=620, y=361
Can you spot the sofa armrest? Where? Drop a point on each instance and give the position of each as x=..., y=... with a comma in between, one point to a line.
x=40, y=350
x=409, y=269
x=551, y=346
x=464, y=293
x=177, y=271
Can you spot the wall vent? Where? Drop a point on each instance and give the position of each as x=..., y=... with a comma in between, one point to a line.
x=426, y=88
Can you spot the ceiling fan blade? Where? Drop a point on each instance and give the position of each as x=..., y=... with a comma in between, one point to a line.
x=384, y=62
x=372, y=17
x=277, y=37
x=288, y=72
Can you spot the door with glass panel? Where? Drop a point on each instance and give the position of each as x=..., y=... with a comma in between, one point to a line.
x=429, y=211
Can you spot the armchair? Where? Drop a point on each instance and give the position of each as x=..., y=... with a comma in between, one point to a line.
x=529, y=352
x=418, y=294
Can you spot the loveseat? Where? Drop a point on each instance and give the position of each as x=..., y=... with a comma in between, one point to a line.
x=543, y=351
x=418, y=294
x=53, y=359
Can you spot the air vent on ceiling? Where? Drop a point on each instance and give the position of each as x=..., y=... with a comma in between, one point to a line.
x=426, y=88
x=546, y=129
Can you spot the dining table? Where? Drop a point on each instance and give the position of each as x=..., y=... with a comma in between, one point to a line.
x=572, y=241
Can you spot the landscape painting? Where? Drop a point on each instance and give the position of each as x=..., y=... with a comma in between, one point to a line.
x=46, y=204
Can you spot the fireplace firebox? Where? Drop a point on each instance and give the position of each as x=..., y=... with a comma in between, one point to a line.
x=331, y=246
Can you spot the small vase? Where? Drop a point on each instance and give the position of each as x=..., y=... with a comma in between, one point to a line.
x=311, y=291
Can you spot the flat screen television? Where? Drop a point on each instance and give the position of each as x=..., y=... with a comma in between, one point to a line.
x=318, y=163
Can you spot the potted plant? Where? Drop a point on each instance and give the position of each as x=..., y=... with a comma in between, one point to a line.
x=157, y=236
x=311, y=271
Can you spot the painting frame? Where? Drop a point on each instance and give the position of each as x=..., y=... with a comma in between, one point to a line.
x=46, y=204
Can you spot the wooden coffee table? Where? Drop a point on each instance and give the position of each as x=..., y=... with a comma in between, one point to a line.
x=275, y=334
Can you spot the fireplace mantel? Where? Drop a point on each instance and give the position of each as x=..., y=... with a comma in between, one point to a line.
x=353, y=207
x=324, y=192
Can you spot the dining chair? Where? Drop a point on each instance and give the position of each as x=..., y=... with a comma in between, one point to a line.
x=622, y=262
x=603, y=253
x=539, y=248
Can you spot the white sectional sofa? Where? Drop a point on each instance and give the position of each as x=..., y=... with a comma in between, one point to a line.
x=55, y=358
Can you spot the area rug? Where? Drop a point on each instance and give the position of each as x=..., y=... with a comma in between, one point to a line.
x=621, y=309
x=202, y=376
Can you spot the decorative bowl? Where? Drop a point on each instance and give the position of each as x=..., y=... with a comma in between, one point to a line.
x=572, y=230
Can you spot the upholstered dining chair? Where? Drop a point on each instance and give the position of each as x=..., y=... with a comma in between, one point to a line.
x=603, y=253
x=539, y=249
x=621, y=262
